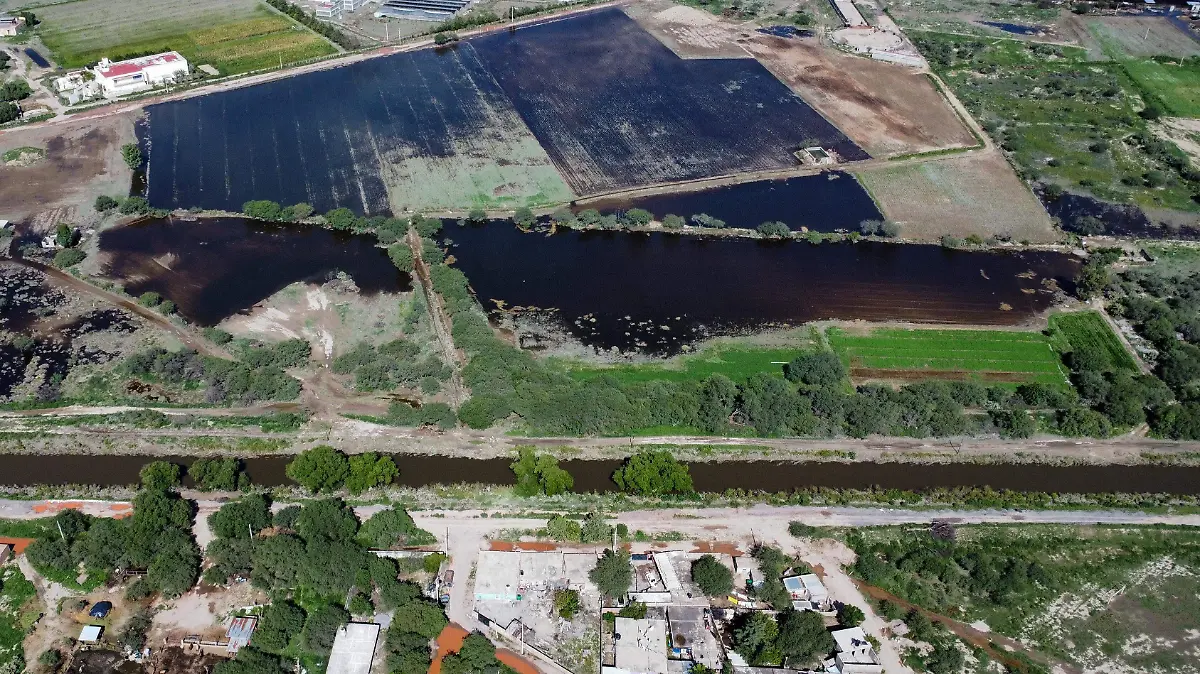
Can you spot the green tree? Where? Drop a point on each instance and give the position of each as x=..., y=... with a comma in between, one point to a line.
x=638, y=217
x=401, y=256
x=774, y=230
x=218, y=474
x=562, y=528
x=68, y=257
x=321, y=627
x=539, y=474
x=420, y=616
x=321, y=468
x=160, y=475
x=754, y=632
x=242, y=518
x=850, y=615
x=524, y=217
x=64, y=235
x=672, y=221
x=104, y=203
x=370, y=470
x=327, y=519
x=262, y=209
x=613, y=574
x=653, y=473
x=149, y=299
x=477, y=216
x=595, y=529
x=250, y=660
x=342, y=219
x=714, y=578
x=132, y=155
x=820, y=368
x=802, y=637
x=566, y=603
x=281, y=622
x=393, y=528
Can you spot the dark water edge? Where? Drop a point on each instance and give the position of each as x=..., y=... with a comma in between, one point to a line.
x=213, y=268
x=595, y=475
x=657, y=292
x=1118, y=219
x=826, y=202
x=1013, y=28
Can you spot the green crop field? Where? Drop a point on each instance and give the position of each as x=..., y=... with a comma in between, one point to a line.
x=1177, y=86
x=1089, y=330
x=735, y=362
x=233, y=36
x=984, y=355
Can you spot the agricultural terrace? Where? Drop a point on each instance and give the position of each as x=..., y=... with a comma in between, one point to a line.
x=976, y=194
x=1099, y=598
x=1064, y=119
x=1088, y=331
x=1162, y=59
x=988, y=356
x=234, y=36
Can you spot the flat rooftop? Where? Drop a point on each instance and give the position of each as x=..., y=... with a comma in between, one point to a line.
x=353, y=649
x=642, y=646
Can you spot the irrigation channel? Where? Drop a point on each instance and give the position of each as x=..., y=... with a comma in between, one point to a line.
x=595, y=475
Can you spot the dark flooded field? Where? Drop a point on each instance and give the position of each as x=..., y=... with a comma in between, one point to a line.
x=616, y=108
x=216, y=267
x=657, y=292
x=323, y=138
x=822, y=203
x=1089, y=216
x=596, y=476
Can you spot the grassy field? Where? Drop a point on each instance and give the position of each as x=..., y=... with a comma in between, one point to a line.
x=1062, y=118
x=1116, y=599
x=732, y=360
x=1178, y=87
x=15, y=592
x=983, y=355
x=1089, y=330
x=1157, y=56
x=233, y=36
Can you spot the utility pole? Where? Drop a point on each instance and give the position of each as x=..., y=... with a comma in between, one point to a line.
x=60, y=532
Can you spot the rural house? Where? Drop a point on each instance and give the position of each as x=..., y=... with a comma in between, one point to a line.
x=11, y=25
x=127, y=77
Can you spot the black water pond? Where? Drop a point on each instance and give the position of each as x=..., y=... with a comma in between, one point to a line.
x=772, y=476
x=656, y=292
x=1014, y=28
x=213, y=268
x=826, y=202
x=37, y=58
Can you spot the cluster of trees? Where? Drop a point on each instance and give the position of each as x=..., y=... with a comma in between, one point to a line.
x=325, y=469
x=258, y=376
x=262, y=209
x=392, y=365
x=67, y=237
x=219, y=475
x=885, y=228
x=539, y=475
x=795, y=638
x=152, y=300
x=317, y=549
x=387, y=230
x=314, y=24
x=593, y=529
x=15, y=90
x=156, y=538
x=127, y=206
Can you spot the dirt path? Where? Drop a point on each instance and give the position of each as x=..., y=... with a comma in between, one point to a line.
x=190, y=339
x=441, y=322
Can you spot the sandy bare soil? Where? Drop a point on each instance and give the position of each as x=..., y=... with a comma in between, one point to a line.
x=973, y=194
x=689, y=32
x=83, y=161
x=887, y=109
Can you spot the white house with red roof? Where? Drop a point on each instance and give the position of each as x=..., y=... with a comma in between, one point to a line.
x=126, y=77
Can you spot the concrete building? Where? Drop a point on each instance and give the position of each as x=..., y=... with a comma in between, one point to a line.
x=11, y=25
x=808, y=593
x=420, y=10
x=353, y=649
x=127, y=77
x=6, y=550
x=90, y=634
x=854, y=654
x=327, y=9
x=641, y=647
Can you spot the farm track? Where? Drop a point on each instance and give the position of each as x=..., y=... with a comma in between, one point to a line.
x=441, y=321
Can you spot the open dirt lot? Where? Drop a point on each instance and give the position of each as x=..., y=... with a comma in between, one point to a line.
x=1142, y=36
x=973, y=194
x=83, y=161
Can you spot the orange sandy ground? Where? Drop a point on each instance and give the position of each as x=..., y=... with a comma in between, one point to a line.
x=451, y=639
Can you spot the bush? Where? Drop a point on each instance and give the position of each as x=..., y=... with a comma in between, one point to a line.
x=132, y=155
x=217, y=335
x=714, y=578
x=370, y=470
x=523, y=217
x=103, y=204
x=539, y=474
x=821, y=368
x=613, y=573
x=672, y=221
x=319, y=469
x=651, y=473
x=149, y=299
x=566, y=603
x=262, y=210
x=401, y=256
x=850, y=615
x=774, y=230
x=68, y=257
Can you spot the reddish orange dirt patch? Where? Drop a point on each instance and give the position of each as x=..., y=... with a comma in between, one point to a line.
x=451, y=639
x=19, y=544
x=54, y=507
x=717, y=548
x=527, y=546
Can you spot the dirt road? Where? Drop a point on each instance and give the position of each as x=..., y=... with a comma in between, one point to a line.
x=442, y=326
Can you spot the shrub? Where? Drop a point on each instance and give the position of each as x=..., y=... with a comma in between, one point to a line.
x=651, y=473
x=566, y=603
x=103, y=204
x=217, y=335
x=318, y=469
x=714, y=578
x=68, y=257
x=149, y=299
x=774, y=230
x=523, y=216
x=262, y=210
x=821, y=368
x=132, y=155
x=401, y=256
x=850, y=615
x=672, y=221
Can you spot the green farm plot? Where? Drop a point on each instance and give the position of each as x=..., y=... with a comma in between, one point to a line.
x=1088, y=330
x=1141, y=36
x=1176, y=86
x=735, y=362
x=983, y=355
x=231, y=35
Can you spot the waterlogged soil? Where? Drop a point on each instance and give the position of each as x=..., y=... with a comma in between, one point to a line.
x=1116, y=219
x=213, y=268
x=595, y=475
x=658, y=292
x=615, y=108
x=827, y=202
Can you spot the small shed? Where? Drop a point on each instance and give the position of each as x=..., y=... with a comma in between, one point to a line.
x=90, y=634
x=100, y=609
x=239, y=633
